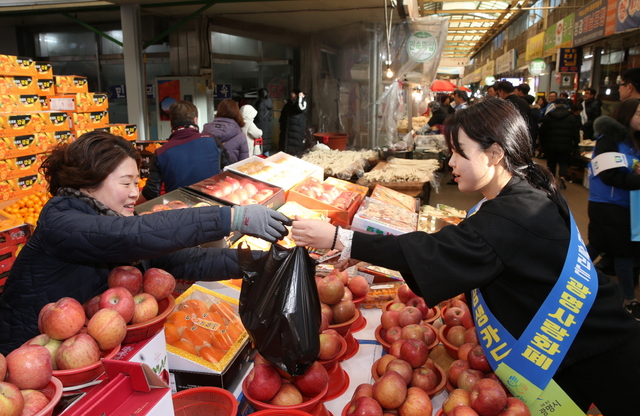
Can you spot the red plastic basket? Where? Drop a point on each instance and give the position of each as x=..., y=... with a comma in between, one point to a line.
x=204, y=401
x=82, y=375
x=53, y=391
x=311, y=405
x=147, y=329
x=273, y=412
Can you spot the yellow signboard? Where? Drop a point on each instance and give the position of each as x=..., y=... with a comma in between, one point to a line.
x=535, y=46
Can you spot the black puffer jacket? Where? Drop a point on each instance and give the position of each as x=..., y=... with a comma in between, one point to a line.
x=73, y=249
x=263, y=122
x=292, y=125
x=559, y=131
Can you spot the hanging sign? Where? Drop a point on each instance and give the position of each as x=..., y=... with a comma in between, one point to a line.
x=221, y=91
x=422, y=46
x=559, y=35
x=535, y=45
x=489, y=80
x=627, y=15
x=537, y=66
x=567, y=60
x=590, y=22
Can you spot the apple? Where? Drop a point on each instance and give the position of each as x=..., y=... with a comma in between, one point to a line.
x=394, y=349
x=42, y=311
x=417, y=403
x=287, y=395
x=390, y=390
x=477, y=359
x=453, y=316
x=128, y=277
x=363, y=390
x=330, y=289
x=415, y=352
x=29, y=367
x=401, y=367
x=3, y=367
x=159, y=283
x=393, y=334
x=34, y=402
x=263, y=382
x=330, y=345
x=515, y=407
x=343, y=275
x=424, y=378
x=120, y=300
x=11, y=400
x=324, y=323
x=418, y=302
x=412, y=331
x=463, y=350
x=63, y=319
x=145, y=308
x=457, y=397
x=471, y=336
x=343, y=311
x=495, y=377
x=487, y=397
x=78, y=351
x=468, y=378
x=364, y=406
x=405, y=293
x=455, y=334
x=313, y=381
x=91, y=306
x=396, y=306
x=389, y=319
x=409, y=315
x=430, y=334
x=454, y=371
x=108, y=328
x=348, y=295
x=467, y=318
x=49, y=343
x=463, y=411
x=359, y=286
x=327, y=311
x=381, y=367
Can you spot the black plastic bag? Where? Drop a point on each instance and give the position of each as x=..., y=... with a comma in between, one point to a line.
x=280, y=308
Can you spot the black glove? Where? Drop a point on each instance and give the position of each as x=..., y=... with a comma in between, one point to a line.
x=259, y=221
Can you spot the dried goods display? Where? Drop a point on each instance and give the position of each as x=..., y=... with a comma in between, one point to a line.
x=327, y=193
x=416, y=123
x=378, y=217
x=404, y=170
x=234, y=190
x=342, y=164
x=278, y=170
x=450, y=216
x=391, y=197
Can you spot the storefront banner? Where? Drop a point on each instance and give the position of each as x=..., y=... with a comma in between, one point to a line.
x=537, y=66
x=568, y=60
x=488, y=69
x=535, y=47
x=610, y=22
x=506, y=62
x=558, y=35
x=589, y=23
x=627, y=15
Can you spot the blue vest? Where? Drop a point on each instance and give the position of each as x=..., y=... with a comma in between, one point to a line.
x=601, y=192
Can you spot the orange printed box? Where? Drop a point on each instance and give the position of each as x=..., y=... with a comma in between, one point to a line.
x=23, y=186
x=21, y=124
x=44, y=103
x=43, y=69
x=33, y=143
x=18, y=84
x=126, y=131
x=16, y=65
x=23, y=103
x=46, y=86
x=20, y=166
x=90, y=120
x=70, y=83
x=79, y=102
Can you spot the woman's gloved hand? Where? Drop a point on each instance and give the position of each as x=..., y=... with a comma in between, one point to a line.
x=259, y=221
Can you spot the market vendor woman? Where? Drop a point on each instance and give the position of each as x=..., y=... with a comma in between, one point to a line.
x=513, y=249
x=89, y=227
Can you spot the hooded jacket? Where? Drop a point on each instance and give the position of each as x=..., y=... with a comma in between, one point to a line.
x=250, y=130
x=292, y=126
x=230, y=134
x=559, y=131
x=263, y=122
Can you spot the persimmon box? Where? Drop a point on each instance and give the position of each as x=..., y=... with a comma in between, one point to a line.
x=65, y=84
x=79, y=102
x=16, y=65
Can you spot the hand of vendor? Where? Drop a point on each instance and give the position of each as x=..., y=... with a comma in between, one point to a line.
x=259, y=221
x=315, y=233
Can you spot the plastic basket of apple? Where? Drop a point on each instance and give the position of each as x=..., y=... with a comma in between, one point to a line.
x=204, y=401
x=336, y=292
x=41, y=402
x=406, y=297
x=430, y=377
x=487, y=397
x=458, y=328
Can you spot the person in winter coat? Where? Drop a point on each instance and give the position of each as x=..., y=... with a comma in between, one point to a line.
x=593, y=110
x=438, y=115
x=264, y=107
x=188, y=156
x=89, y=227
x=227, y=127
x=609, y=195
x=559, y=137
x=293, y=123
x=250, y=130
x=512, y=250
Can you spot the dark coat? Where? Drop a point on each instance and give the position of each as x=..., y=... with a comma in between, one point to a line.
x=292, y=127
x=230, y=134
x=263, y=122
x=73, y=249
x=593, y=108
x=559, y=131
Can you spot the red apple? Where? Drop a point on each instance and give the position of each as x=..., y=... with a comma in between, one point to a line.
x=393, y=334
x=417, y=403
x=471, y=336
x=11, y=400
x=494, y=376
x=405, y=293
x=42, y=311
x=263, y=382
x=455, y=334
x=418, y=302
x=343, y=311
x=363, y=390
x=463, y=350
x=330, y=345
x=324, y=323
x=343, y=275
x=3, y=367
x=327, y=311
x=364, y=406
x=108, y=328
x=409, y=315
x=128, y=277
x=347, y=294
x=424, y=378
x=468, y=378
x=467, y=317
x=78, y=351
x=412, y=331
x=477, y=359
x=453, y=316
x=415, y=352
x=313, y=381
x=330, y=289
x=287, y=395
x=396, y=306
x=394, y=349
x=159, y=283
x=91, y=306
x=390, y=390
x=49, y=343
x=29, y=367
x=401, y=367
x=120, y=300
x=430, y=334
x=463, y=411
x=34, y=402
x=488, y=398
x=454, y=371
x=457, y=397
x=359, y=286
x=145, y=308
x=63, y=319
x=389, y=319
x=381, y=367
x=515, y=407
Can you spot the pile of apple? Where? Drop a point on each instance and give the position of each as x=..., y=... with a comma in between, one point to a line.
x=459, y=321
x=233, y=191
x=19, y=394
x=336, y=292
x=327, y=193
x=266, y=384
x=389, y=395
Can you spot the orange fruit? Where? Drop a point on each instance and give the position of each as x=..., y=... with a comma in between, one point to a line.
x=185, y=346
x=193, y=306
x=212, y=354
x=179, y=319
x=235, y=329
x=225, y=310
x=217, y=318
x=221, y=339
x=197, y=335
x=171, y=333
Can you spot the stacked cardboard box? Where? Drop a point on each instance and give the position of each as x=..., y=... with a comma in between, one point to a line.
x=13, y=236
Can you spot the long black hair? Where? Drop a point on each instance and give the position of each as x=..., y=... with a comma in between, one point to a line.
x=499, y=121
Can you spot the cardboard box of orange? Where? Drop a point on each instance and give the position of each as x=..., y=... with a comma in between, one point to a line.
x=16, y=65
x=23, y=103
x=65, y=84
x=18, y=84
x=79, y=102
x=148, y=147
x=17, y=167
x=22, y=186
x=43, y=69
x=33, y=143
x=89, y=120
x=127, y=131
x=12, y=125
x=45, y=86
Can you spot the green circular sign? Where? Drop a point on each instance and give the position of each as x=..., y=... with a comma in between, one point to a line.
x=490, y=80
x=422, y=46
x=537, y=66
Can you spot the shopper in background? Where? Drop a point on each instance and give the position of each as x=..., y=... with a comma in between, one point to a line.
x=566, y=98
x=89, y=227
x=513, y=249
x=559, y=137
x=293, y=123
x=506, y=91
x=264, y=107
x=227, y=127
x=250, y=130
x=553, y=96
x=445, y=102
x=522, y=91
x=491, y=92
x=188, y=156
x=630, y=85
x=438, y=115
x=593, y=109
x=461, y=99
x=609, y=203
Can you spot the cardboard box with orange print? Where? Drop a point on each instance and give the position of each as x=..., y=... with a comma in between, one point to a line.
x=79, y=102
x=90, y=120
x=33, y=143
x=126, y=131
x=43, y=69
x=148, y=147
x=12, y=125
x=46, y=86
x=23, y=103
x=16, y=65
x=18, y=84
x=23, y=186
x=66, y=84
